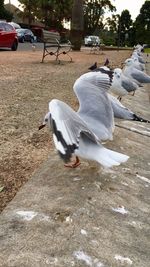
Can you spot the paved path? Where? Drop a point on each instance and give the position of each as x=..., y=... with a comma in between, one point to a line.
x=89, y=216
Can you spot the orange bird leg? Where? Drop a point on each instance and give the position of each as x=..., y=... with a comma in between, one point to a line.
x=74, y=164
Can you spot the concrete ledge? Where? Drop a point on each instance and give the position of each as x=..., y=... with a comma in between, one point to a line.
x=88, y=216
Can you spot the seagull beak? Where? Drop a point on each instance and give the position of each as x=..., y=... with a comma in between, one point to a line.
x=42, y=126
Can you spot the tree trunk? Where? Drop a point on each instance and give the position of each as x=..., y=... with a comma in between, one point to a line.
x=76, y=34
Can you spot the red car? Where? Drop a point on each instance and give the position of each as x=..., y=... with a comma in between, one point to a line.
x=8, y=36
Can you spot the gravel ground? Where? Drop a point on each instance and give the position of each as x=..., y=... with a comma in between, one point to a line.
x=26, y=87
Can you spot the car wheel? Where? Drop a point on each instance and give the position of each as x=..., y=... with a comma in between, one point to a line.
x=14, y=46
x=31, y=40
x=23, y=40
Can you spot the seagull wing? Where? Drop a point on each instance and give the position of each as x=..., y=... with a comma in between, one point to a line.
x=128, y=84
x=67, y=127
x=140, y=76
x=97, y=78
x=95, y=109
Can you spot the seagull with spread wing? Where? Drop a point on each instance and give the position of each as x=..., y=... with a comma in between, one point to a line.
x=80, y=133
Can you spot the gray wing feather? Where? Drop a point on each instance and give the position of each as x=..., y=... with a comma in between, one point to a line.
x=140, y=76
x=95, y=109
x=67, y=127
x=129, y=85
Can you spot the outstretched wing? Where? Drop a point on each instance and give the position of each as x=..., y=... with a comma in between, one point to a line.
x=103, y=79
x=95, y=109
x=67, y=127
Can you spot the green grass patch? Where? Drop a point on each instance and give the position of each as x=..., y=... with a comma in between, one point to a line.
x=147, y=50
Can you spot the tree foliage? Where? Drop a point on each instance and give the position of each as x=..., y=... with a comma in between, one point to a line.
x=142, y=24
x=125, y=22
x=50, y=12
x=5, y=14
x=93, y=14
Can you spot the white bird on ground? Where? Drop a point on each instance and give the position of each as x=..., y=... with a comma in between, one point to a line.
x=140, y=58
x=76, y=133
x=137, y=64
x=135, y=74
x=121, y=84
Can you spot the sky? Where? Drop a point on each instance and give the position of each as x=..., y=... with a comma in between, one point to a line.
x=132, y=5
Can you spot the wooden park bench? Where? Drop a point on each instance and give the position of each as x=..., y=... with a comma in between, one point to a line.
x=53, y=45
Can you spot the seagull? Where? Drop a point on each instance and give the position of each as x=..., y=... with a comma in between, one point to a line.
x=137, y=64
x=121, y=112
x=122, y=85
x=135, y=74
x=76, y=133
x=140, y=58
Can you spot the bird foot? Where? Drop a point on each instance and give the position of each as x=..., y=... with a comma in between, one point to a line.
x=73, y=164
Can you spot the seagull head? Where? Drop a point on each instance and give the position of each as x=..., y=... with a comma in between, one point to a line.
x=46, y=120
x=129, y=62
x=117, y=73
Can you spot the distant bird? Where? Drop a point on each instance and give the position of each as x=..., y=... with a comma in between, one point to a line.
x=140, y=58
x=106, y=62
x=74, y=133
x=135, y=74
x=93, y=67
x=137, y=64
x=121, y=84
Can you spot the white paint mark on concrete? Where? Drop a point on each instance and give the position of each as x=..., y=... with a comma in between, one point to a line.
x=59, y=198
x=143, y=178
x=44, y=217
x=121, y=210
x=83, y=232
x=27, y=215
x=76, y=179
x=52, y=261
x=80, y=255
x=83, y=187
x=114, y=177
x=123, y=259
x=68, y=219
x=124, y=183
x=107, y=170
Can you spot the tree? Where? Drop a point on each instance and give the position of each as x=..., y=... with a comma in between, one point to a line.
x=142, y=24
x=125, y=22
x=76, y=33
x=49, y=12
x=5, y=14
x=93, y=14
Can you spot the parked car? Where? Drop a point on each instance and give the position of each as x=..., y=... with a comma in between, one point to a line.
x=91, y=40
x=25, y=35
x=8, y=36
